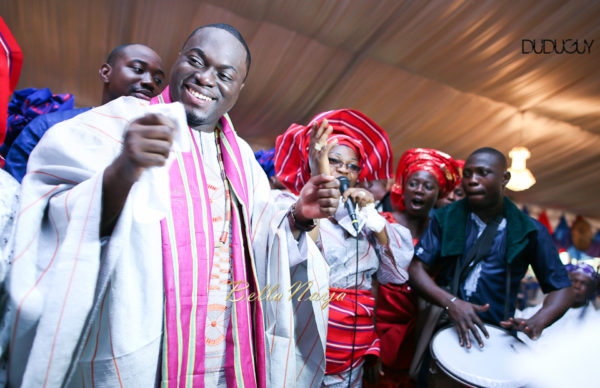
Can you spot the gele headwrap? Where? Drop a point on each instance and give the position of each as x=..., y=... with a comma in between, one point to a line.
x=350, y=128
x=439, y=164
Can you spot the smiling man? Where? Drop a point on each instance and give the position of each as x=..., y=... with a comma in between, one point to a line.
x=481, y=247
x=130, y=70
x=104, y=298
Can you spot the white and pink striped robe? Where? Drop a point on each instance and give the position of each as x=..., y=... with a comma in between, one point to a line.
x=92, y=314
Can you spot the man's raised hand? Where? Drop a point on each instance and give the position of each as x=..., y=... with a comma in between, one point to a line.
x=319, y=198
x=146, y=143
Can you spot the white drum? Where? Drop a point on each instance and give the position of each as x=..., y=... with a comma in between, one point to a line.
x=489, y=366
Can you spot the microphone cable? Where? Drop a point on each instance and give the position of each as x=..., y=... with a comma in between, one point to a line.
x=355, y=312
x=344, y=184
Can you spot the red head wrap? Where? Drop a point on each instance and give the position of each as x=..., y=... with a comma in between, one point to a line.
x=440, y=165
x=352, y=129
x=354, y=144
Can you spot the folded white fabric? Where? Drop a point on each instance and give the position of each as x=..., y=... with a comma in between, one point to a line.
x=150, y=194
x=375, y=221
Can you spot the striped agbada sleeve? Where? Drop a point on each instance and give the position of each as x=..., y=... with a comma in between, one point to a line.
x=68, y=323
x=296, y=327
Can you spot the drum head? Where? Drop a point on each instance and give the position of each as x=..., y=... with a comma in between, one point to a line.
x=489, y=366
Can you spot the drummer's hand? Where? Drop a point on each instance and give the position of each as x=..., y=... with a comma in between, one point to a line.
x=465, y=318
x=530, y=326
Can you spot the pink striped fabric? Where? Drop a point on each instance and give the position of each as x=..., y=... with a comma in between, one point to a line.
x=188, y=249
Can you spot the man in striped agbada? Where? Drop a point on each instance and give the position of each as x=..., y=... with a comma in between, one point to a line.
x=109, y=289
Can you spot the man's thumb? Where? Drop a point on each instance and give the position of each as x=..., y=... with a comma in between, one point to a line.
x=480, y=308
x=156, y=119
x=322, y=178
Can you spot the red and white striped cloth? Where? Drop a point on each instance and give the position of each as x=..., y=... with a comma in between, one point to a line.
x=291, y=150
x=341, y=330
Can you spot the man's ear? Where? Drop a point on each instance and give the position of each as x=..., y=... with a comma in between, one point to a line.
x=104, y=72
x=505, y=178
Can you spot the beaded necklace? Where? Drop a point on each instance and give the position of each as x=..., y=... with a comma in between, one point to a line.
x=228, y=203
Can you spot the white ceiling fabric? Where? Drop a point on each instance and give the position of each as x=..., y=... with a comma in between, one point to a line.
x=439, y=74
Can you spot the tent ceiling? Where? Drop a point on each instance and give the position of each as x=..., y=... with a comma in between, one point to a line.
x=448, y=75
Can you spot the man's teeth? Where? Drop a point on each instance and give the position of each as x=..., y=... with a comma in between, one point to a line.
x=199, y=96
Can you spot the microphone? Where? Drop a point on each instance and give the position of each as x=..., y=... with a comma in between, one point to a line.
x=344, y=184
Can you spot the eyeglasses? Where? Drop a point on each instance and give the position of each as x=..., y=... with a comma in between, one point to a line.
x=336, y=163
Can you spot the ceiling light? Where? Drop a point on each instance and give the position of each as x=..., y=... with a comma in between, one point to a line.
x=520, y=176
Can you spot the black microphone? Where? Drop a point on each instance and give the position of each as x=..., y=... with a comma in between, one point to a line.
x=344, y=184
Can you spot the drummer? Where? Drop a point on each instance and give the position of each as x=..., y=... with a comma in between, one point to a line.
x=481, y=247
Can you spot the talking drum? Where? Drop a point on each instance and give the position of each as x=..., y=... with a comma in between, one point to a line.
x=489, y=366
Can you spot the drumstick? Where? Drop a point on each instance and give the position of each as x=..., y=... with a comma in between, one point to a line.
x=515, y=336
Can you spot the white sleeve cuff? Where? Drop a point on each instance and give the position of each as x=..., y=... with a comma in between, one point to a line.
x=297, y=249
